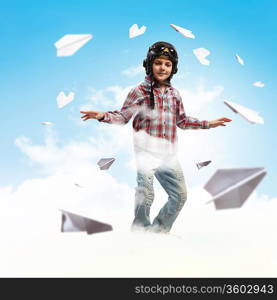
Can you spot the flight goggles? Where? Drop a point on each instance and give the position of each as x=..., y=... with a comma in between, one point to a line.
x=163, y=50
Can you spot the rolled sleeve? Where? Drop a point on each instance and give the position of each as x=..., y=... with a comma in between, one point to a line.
x=127, y=111
x=205, y=124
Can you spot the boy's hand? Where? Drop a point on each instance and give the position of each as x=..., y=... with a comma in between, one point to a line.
x=91, y=114
x=219, y=122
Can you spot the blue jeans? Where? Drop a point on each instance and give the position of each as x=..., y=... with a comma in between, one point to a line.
x=173, y=182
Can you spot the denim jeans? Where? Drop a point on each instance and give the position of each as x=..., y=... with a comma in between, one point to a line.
x=172, y=180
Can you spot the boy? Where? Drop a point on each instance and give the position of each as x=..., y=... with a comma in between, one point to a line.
x=157, y=109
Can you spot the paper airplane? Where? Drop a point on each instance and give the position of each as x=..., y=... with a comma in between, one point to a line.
x=72, y=223
x=135, y=31
x=249, y=114
x=203, y=164
x=46, y=123
x=239, y=59
x=230, y=188
x=185, y=32
x=201, y=54
x=78, y=185
x=70, y=43
x=259, y=84
x=105, y=163
x=63, y=100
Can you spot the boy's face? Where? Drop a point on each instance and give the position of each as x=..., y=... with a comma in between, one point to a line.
x=162, y=68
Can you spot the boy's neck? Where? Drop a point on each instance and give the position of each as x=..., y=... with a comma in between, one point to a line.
x=162, y=85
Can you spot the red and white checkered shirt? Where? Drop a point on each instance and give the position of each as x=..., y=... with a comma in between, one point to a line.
x=161, y=122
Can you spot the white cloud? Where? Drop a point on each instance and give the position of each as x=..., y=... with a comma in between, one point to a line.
x=204, y=242
x=32, y=208
x=195, y=100
x=133, y=71
x=98, y=98
x=52, y=158
x=120, y=94
x=111, y=98
x=108, y=140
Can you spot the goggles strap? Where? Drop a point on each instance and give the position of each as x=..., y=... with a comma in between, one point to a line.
x=152, y=102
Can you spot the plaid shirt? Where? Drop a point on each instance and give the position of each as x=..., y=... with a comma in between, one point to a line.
x=161, y=122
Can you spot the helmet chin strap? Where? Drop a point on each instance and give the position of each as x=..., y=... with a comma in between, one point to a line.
x=152, y=102
x=152, y=82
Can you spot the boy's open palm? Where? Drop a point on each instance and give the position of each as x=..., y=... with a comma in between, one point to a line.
x=219, y=122
x=91, y=114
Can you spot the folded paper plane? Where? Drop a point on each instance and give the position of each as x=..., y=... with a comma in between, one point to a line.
x=201, y=54
x=47, y=123
x=105, y=163
x=71, y=43
x=230, y=188
x=259, y=84
x=239, y=59
x=185, y=32
x=72, y=222
x=63, y=100
x=78, y=185
x=203, y=164
x=249, y=114
x=135, y=31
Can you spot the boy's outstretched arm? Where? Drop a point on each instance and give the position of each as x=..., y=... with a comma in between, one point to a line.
x=219, y=122
x=91, y=114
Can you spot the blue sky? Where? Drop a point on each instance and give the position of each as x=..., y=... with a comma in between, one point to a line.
x=32, y=76
x=40, y=165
